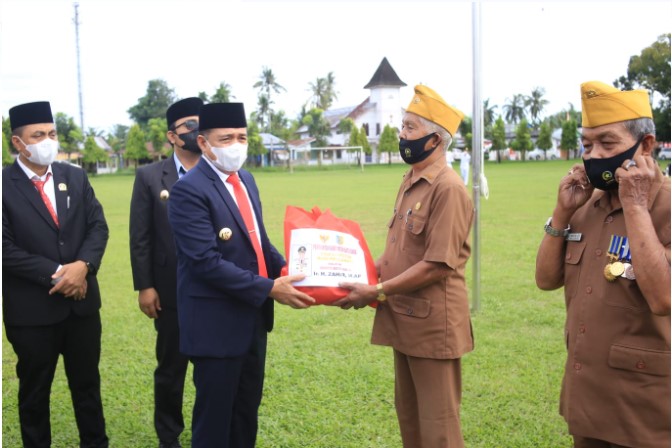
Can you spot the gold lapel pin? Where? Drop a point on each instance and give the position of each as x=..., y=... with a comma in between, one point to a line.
x=62, y=187
x=417, y=206
x=225, y=234
x=164, y=195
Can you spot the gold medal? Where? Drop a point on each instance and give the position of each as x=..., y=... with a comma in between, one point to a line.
x=616, y=268
x=607, y=273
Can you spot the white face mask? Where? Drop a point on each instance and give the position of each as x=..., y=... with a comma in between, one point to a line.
x=44, y=152
x=229, y=158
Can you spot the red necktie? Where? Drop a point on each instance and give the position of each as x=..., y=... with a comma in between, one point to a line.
x=39, y=184
x=246, y=212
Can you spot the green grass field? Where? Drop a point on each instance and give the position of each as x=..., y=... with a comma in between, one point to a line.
x=326, y=385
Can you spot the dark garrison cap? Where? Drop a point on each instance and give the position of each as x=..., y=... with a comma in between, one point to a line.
x=30, y=113
x=184, y=108
x=222, y=115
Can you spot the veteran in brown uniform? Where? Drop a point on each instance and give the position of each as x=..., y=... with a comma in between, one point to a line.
x=608, y=244
x=423, y=309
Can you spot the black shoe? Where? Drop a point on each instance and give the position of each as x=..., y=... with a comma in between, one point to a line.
x=173, y=444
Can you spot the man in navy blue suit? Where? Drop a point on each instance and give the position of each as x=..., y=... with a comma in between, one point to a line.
x=228, y=276
x=54, y=235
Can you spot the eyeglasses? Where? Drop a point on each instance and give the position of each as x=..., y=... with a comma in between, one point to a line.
x=191, y=125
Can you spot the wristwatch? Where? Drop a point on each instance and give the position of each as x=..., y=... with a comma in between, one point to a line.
x=89, y=267
x=555, y=232
x=381, y=294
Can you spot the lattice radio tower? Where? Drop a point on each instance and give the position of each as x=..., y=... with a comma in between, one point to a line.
x=79, y=70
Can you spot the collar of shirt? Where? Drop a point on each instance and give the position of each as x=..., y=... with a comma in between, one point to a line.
x=179, y=167
x=31, y=175
x=430, y=173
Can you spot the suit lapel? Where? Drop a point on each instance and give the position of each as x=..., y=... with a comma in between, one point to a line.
x=225, y=195
x=28, y=190
x=169, y=174
x=62, y=193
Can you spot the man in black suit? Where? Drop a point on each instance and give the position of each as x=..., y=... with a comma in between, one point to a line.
x=227, y=278
x=154, y=264
x=54, y=235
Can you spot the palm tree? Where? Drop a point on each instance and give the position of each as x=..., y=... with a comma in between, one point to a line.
x=514, y=111
x=264, y=111
x=266, y=83
x=488, y=113
x=535, y=103
x=323, y=92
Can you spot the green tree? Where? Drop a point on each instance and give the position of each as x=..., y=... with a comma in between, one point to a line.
x=544, y=141
x=156, y=134
x=499, y=137
x=535, y=103
x=267, y=83
x=70, y=136
x=255, y=145
x=92, y=154
x=345, y=125
x=7, y=158
x=222, y=94
x=651, y=70
x=488, y=117
x=7, y=129
x=135, y=145
x=568, y=140
x=523, y=141
x=323, y=91
x=116, y=138
x=389, y=142
x=318, y=128
x=364, y=140
x=154, y=104
x=514, y=110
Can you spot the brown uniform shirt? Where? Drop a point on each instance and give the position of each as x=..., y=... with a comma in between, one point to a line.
x=617, y=376
x=432, y=219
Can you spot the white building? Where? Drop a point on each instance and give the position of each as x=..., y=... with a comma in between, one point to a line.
x=382, y=107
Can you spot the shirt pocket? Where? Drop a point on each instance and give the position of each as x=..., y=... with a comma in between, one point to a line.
x=414, y=236
x=640, y=360
x=573, y=256
x=412, y=307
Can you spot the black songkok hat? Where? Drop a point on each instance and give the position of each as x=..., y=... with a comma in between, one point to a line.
x=184, y=108
x=30, y=113
x=222, y=115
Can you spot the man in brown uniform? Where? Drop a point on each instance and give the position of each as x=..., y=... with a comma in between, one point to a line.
x=423, y=309
x=608, y=244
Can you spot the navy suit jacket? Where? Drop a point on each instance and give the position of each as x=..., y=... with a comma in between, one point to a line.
x=219, y=291
x=153, y=259
x=33, y=247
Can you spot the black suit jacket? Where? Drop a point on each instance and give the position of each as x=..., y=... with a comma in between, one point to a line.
x=33, y=247
x=153, y=259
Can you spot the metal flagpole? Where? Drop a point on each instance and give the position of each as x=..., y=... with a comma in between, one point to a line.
x=79, y=71
x=477, y=148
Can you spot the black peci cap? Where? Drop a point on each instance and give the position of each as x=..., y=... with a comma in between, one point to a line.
x=30, y=113
x=222, y=115
x=187, y=107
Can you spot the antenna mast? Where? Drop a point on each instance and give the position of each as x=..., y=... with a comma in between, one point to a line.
x=79, y=71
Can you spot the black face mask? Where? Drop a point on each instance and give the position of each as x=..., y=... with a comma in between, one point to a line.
x=189, y=139
x=413, y=151
x=600, y=172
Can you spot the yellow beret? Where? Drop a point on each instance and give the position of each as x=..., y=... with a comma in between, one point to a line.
x=429, y=104
x=603, y=104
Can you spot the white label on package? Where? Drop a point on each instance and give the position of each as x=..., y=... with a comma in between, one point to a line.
x=326, y=257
